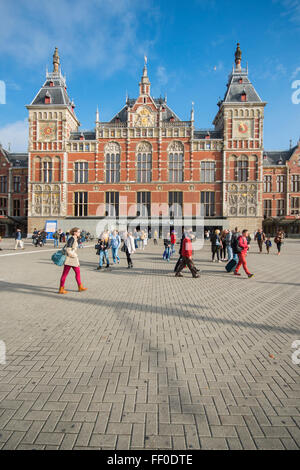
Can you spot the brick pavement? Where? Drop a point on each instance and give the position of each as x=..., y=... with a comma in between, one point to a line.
x=146, y=361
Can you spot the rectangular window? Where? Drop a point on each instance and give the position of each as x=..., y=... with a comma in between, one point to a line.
x=280, y=184
x=47, y=172
x=112, y=204
x=26, y=207
x=144, y=166
x=242, y=170
x=143, y=199
x=267, y=184
x=208, y=203
x=81, y=172
x=17, y=184
x=280, y=205
x=267, y=207
x=26, y=184
x=3, y=206
x=3, y=184
x=208, y=172
x=80, y=204
x=16, y=207
x=112, y=168
x=295, y=180
x=175, y=203
x=176, y=167
x=295, y=206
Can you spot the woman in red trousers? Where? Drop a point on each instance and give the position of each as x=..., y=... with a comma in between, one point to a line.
x=72, y=261
x=243, y=248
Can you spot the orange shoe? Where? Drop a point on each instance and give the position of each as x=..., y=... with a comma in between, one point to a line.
x=62, y=290
x=81, y=288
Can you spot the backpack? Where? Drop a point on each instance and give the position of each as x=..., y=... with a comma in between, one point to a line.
x=235, y=245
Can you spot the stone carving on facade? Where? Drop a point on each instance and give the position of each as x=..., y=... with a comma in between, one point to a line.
x=112, y=147
x=242, y=199
x=46, y=200
x=144, y=147
x=176, y=146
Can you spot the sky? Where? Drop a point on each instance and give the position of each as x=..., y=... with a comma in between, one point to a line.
x=190, y=48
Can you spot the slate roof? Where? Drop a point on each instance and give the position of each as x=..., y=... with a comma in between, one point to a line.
x=235, y=89
x=17, y=159
x=201, y=134
x=88, y=135
x=166, y=115
x=57, y=92
x=274, y=157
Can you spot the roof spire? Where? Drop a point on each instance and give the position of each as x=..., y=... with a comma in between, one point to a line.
x=145, y=82
x=238, y=57
x=192, y=112
x=56, y=62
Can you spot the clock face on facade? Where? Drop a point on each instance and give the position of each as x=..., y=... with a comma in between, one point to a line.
x=242, y=129
x=144, y=118
x=47, y=131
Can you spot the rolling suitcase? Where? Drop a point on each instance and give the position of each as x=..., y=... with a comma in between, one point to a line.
x=230, y=266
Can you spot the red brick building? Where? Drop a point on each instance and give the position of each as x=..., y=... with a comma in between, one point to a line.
x=281, y=197
x=146, y=157
x=13, y=192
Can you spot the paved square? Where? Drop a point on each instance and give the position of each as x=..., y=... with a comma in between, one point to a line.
x=143, y=360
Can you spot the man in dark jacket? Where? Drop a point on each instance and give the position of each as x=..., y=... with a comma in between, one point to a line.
x=186, y=256
x=260, y=238
x=102, y=250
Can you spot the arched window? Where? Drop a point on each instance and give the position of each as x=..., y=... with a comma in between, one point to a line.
x=144, y=162
x=175, y=157
x=47, y=170
x=112, y=162
x=242, y=169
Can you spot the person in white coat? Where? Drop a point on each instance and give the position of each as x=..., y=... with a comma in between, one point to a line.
x=129, y=248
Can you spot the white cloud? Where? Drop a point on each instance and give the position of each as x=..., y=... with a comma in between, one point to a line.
x=162, y=76
x=99, y=34
x=291, y=10
x=295, y=73
x=16, y=134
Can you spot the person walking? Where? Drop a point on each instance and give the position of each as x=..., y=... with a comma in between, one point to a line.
x=223, y=245
x=186, y=256
x=216, y=245
x=155, y=237
x=143, y=239
x=167, y=245
x=55, y=238
x=129, y=248
x=268, y=244
x=18, y=240
x=72, y=261
x=102, y=250
x=173, y=242
x=279, y=240
x=260, y=238
x=242, y=248
x=115, y=243
x=228, y=239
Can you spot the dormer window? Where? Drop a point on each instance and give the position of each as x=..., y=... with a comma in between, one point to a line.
x=51, y=84
x=47, y=98
x=243, y=96
x=172, y=119
x=207, y=136
x=240, y=80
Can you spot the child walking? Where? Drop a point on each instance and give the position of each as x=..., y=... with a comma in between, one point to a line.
x=268, y=244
